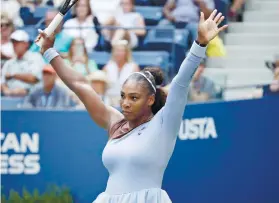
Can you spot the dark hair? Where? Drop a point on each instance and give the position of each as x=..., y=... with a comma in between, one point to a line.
x=156, y=78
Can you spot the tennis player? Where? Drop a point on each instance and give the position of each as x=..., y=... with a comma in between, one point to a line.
x=142, y=139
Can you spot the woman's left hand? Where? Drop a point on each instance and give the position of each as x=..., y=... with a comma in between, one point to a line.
x=208, y=29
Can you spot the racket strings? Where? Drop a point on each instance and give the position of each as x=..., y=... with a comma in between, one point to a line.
x=67, y=6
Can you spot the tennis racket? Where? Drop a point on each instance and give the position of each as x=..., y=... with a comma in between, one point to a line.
x=58, y=19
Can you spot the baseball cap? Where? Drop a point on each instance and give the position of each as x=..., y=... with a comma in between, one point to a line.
x=20, y=36
x=48, y=69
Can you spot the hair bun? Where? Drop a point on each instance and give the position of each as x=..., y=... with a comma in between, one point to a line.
x=157, y=74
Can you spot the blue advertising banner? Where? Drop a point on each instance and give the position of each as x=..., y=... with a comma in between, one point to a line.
x=225, y=152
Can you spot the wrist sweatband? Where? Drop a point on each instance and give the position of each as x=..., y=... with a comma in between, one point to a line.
x=50, y=54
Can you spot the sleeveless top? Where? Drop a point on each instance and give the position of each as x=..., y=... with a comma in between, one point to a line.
x=117, y=78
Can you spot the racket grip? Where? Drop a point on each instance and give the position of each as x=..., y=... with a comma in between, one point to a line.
x=51, y=28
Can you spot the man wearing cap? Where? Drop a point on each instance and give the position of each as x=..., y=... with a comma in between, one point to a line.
x=24, y=70
x=48, y=94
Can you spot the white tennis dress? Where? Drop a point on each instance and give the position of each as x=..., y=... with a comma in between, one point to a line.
x=137, y=161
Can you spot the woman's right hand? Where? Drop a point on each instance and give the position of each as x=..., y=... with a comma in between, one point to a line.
x=48, y=41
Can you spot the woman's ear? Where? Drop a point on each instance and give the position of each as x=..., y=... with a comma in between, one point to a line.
x=151, y=100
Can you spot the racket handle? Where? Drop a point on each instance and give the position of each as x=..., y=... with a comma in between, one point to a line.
x=51, y=28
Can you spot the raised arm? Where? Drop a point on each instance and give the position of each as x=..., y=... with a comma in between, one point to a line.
x=177, y=97
x=103, y=115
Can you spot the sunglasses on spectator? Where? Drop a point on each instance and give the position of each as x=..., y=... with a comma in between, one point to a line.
x=5, y=25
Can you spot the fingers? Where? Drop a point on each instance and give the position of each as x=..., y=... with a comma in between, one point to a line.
x=220, y=20
x=221, y=29
x=213, y=14
x=42, y=34
x=202, y=17
x=217, y=18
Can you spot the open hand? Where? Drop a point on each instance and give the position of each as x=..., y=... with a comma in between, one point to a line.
x=48, y=41
x=208, y=29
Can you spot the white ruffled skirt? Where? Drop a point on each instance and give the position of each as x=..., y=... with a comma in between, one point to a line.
x=153, y=195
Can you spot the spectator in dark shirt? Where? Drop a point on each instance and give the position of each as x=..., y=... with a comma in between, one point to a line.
x=184, y=14
x=49, y=94
x=202, y=88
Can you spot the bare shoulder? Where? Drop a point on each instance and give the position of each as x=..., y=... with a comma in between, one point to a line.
x=115, y=115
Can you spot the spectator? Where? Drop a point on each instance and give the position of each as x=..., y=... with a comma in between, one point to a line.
x=23, y=70
x=48, y=94
x=119, y=68
x=235, y=8
x=78, y=58
x=105, y=9
x=99, y=82
x=12, y=7
x=7, y=28
x=273, y=88
x=185, y=14
x=82, y=26
x=202, y=88
x=62, y=40
x=128, y=19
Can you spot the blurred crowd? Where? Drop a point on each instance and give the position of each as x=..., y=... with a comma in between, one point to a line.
x=96, y=25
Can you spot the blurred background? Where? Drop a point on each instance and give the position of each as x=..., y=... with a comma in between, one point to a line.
x=230, y=129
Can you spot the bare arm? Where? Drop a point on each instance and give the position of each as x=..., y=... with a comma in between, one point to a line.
x=13, y=92
x=103, y=115
x=140, y=23
x=5, y=90
x=169, y=6
x=204, y=8
x=26, y=77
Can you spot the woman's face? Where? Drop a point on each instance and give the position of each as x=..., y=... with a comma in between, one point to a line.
x=127, y=6
x=120, y=53
x=6, y=28
x=82, y=9
x=78, y=47
x=135, y=100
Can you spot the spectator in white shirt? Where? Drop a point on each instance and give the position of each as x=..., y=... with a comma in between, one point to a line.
x=119, y=68
x=12, y=8
x=82, y=26
x=24, y=70
x=7, y=28
x=128, y=19
x=105, y=9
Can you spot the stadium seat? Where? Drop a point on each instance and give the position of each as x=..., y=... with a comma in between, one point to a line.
x=152, y=58
x=143, y=58
x=32, y=32
x=142, y=3
x=152, y=15
x=174, y=41
x=10, y=102
x=40, y=11
x=100, y=57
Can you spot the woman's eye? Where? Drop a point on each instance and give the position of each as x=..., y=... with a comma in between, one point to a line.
x=134, y=98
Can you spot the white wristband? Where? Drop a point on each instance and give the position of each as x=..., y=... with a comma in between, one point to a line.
x=50, y=54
